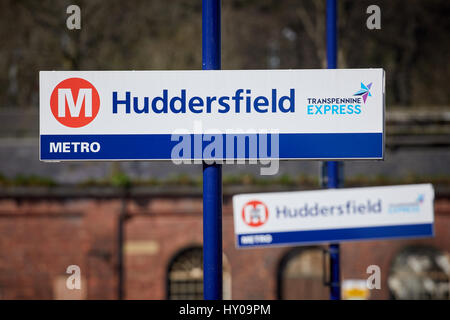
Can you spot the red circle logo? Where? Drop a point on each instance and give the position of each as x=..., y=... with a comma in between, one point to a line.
x=255, y=213
x=75, y=102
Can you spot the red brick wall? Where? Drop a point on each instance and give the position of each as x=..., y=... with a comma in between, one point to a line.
x=40, y=238
x=357, y=256
x=177, y=224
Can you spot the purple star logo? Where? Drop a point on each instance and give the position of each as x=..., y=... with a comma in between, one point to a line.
x=364, y=91
x=420, y=198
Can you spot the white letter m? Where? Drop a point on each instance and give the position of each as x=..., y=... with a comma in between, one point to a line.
x=74, y=107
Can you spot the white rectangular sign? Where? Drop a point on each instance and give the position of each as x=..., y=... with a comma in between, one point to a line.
x=283, y=218
x=162, y=115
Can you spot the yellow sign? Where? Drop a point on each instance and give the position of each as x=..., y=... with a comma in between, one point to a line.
x=355, y=289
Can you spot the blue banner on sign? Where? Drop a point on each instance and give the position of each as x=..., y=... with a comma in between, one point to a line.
x=332, y=235
x=212, y=146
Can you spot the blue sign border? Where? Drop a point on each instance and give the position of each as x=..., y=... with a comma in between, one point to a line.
x=343, y=234
x=293, y=146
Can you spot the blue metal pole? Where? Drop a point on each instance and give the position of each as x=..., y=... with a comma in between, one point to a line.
x=212, y=173
x=333, y=166
x=332, y=34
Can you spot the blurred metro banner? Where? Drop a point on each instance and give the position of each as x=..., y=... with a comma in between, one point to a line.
x=213, y=114
x=286, y=218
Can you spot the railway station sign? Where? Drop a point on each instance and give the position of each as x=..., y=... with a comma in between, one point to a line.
x=333, y=215
x=162, y=115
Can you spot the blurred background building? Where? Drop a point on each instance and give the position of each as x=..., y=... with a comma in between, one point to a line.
x=135, y=228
